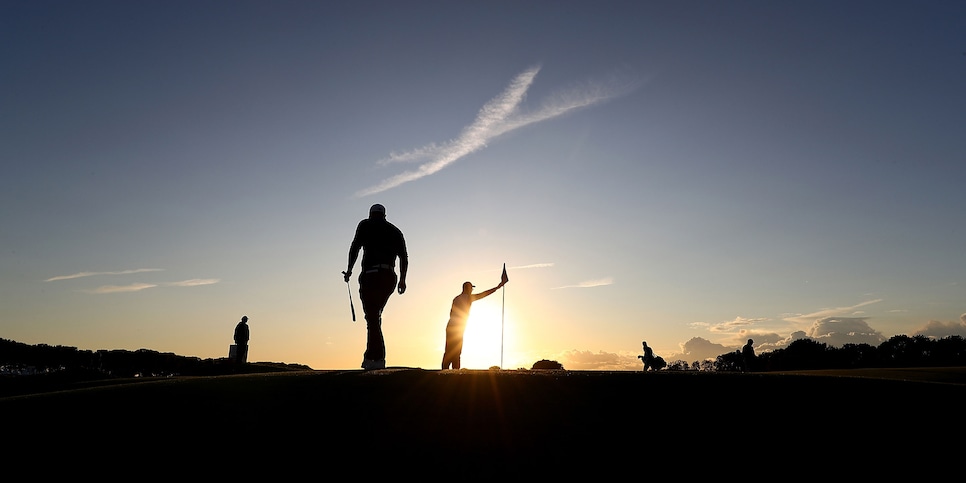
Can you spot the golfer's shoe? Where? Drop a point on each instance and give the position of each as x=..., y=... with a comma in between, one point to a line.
x=372, y=364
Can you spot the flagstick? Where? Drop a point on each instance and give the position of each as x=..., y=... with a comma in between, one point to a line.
x=503, y=280
x=502, y=311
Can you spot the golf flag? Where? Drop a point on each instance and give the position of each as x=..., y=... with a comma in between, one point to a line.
x=504, y=278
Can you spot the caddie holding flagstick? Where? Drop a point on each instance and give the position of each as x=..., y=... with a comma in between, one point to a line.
x=458, y=315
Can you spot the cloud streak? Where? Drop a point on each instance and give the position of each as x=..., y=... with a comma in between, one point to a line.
x=497, y=117
x=134, y=287
x=600, y=282
x=137, y=287
x=532, y=265
x=195, y=282
x=92, y=274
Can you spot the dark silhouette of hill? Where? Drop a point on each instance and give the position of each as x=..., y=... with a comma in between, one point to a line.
x=492, y=423
x=39, y=368
x=802, y=354
x=119, y=362
x=810, y=409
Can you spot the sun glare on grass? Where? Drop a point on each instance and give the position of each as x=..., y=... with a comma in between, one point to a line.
x=484, y=335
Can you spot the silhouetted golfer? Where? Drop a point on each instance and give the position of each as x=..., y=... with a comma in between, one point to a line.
x=457, y=322
x=648, y=357
x=381, y=243
x=748, y=356
x=241, y=340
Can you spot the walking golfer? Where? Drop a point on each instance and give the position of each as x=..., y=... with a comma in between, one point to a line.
x=648, y=357
x=457, y=322
x=381, y=243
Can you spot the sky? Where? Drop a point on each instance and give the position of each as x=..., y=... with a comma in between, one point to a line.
x=689, y=173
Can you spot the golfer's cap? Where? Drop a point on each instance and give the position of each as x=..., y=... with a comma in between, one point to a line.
x=465, y=284
x=377, y=208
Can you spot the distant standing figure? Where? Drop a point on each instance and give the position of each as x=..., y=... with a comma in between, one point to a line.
x=648, y=357
x=457, y=322
x=381, y=243
x=748, y=356
x=241, y=340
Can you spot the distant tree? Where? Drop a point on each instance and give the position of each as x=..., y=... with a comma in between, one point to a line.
x=547, y=365
x=801, y=354
x=899, y=351
x=851, y=356
x=922, y=350
x=678, y=365
x=916, y=351
x=729, y=362
x=950, y=351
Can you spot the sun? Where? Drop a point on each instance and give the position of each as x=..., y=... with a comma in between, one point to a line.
x=485, y=336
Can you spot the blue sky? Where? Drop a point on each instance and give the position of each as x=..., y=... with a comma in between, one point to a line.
x=688, y=173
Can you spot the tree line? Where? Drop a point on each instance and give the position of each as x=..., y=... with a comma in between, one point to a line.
x=809, y=354
x=802, y=354
x=20, y=358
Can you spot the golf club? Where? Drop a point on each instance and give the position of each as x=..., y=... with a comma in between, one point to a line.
x=350, y=299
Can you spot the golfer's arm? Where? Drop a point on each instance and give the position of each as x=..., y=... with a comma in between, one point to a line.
x=353, y=256
x=486, y=293
x=403, y=268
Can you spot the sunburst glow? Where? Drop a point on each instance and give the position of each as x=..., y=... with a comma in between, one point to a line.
x=485, y=334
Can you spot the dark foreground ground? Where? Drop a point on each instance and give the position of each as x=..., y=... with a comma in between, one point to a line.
x=496, y=422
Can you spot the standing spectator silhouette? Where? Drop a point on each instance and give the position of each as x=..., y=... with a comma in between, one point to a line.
x=457, y=321
x=748, y=356
x=381, y=243
x=241, y=341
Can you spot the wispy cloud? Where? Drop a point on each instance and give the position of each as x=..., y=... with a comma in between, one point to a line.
x=832, y=312
x=733, y=325
x=498, y=116
x=517, y=268
x=600, y=282
x=532, y=265
x=193, y=282
x=134, y=287
x=92, y=274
